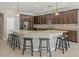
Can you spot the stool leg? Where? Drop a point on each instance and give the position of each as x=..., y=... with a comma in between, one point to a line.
x=65, y=42
x=68, y=42
x=8, y=39
x=62, y=47
x=24, y=45
x=18, y=42
x=40, y=47
x=59, y=45
x=11, y=41
x=47, y=45
x=49, y=48
x=14, y=43
x=56, y=44
x=31, y=48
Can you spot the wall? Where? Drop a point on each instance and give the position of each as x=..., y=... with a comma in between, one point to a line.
x=78, y=27
x=1, y=23
x=9, y=14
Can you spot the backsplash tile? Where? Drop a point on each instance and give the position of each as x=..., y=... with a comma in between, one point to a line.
x=56, y=26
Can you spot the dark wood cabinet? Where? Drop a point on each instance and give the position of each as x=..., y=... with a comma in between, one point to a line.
x=40, y=19
x=63, y=19
x=47, y=16
x=36, y=19
x=66, y=17
x=53, y=18
x=72, y=35
x=71, y=16
x=59, y=18
x=43, y=20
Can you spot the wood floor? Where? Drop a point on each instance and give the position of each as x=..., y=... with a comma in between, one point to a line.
x=6, y=51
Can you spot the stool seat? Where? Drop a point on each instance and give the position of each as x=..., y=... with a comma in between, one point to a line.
x=61, y=37
x=44, y=38
x=26, y=38
x=62, y=41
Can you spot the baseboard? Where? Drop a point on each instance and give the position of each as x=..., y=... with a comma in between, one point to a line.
x=37, y=49
x=51, y=49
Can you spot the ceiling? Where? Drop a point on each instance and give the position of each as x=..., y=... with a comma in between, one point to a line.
x=35, y=7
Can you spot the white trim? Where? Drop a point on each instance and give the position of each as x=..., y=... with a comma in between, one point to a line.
x=52, y=49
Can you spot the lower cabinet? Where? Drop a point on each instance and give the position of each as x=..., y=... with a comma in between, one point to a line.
x=72, y=35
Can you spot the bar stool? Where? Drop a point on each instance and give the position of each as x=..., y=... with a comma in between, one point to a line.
x=10, y=37
x=67, y=39
x=15, y=41
x=28, y=46
x=61, y=42
x=47, y=45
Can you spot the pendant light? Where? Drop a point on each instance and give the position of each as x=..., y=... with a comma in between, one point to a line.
x=17, y=8
x=56, y=13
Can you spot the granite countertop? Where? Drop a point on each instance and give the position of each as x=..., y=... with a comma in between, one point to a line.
x=46, y=33
x=38, y=32
x=67, y=28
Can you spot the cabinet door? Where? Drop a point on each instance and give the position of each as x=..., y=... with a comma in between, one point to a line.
x=43, y=20
x=71, y=17
x=68, y=17
x=72, y=36
x=39, y=19
x=47, y=17
x=58, y=18
x=36, y=20
x=74, y=16
x=63, y=20
x=52, y=18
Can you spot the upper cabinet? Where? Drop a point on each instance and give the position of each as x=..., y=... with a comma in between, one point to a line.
x=40, y=19
x=71, y=16
x=59, y=18
x=66, y=17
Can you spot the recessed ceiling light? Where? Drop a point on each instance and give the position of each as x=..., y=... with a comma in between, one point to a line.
x=37, y=5
x=13, y=6
x=64, y=3
x=49, y=5
x=45, y=8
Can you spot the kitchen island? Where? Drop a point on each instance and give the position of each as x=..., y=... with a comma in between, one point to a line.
x=73, y=29
x=51, y=34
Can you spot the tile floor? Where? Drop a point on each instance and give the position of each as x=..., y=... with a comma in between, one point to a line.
x=6, y=51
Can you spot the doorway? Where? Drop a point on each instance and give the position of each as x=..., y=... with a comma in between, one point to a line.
x=1, y=25
x=10, y=24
